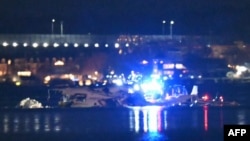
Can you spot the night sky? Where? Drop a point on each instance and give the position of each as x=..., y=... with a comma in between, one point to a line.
x=192, y=17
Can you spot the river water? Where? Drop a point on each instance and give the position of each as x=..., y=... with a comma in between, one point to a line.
x=152, y=123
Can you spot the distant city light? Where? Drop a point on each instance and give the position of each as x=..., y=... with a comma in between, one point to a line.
x=24, y=73
x=86, y=45
x=47, y=79
x=14, y=44
x=117, y=45
x=35, y=45
x=25, y=44
x=66, y=44
x=5, y=44
x=241, y=68
x=96, y=45
x=112, y=72
x=179, y=66
x=106, y=45
x=59, y=63
x=168, y=66
x=56, y=45
x=96, y=72
x=127, y=45
x=76, y=45
x=120, y=51
x=9, y=62
x=45, y=44
x=144, y=62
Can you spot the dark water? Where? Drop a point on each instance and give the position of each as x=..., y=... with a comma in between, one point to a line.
x=105, y=124
x=120, y=124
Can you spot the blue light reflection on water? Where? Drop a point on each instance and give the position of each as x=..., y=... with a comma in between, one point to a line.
x=150, y=122
x=156, y=121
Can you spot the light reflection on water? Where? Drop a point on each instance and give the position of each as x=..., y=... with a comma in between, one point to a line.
x=155, y=121
x=36, y=123
x=27, y=126
x=205, y=118
x=148, y=123
x=16, y=123
x=165, y=119
x=241, y=116
x=148, y=118
x=30, y=123
x=47, y=123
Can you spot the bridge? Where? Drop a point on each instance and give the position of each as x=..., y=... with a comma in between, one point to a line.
x=50, y=45
x=60, y=40
x=38, y=52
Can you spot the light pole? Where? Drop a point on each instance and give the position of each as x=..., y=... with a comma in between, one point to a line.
x=61, y=27
x=52, y=26
x=163, y=27
x=171, y=29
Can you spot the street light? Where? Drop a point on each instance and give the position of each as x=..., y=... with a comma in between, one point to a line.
x=171, y=28
x=163, y=27
x=61, y=27
x=52, y=26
